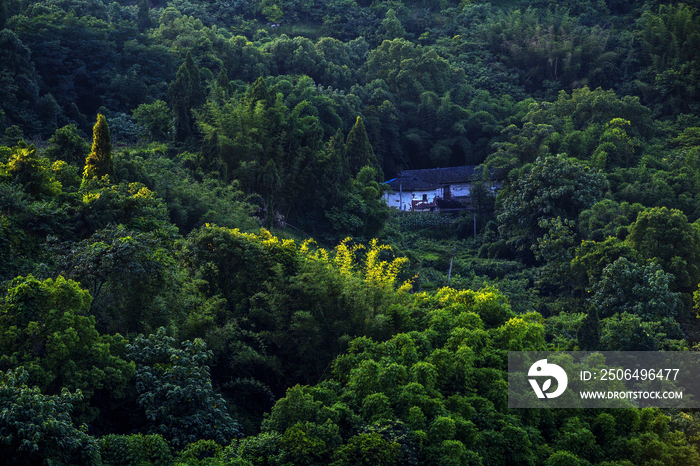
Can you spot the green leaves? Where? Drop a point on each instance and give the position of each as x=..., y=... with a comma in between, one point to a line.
x=551, y=187
x=410, y=70
x=27, y=169
x=175, y=391
x=437, y=395
x=553, y=48
x=156, y=118
x=641, y=290
x=67, y=145
x=414, y=379
x=667, y=236
x=616, y=148
x=186, y=94
x=127, y=272
x=99, y=162
x=130, y=204
x=670, y=42
x=19, y=87
x=310, y=443
x=367, y=449
x=37, y=428
x=44, y=326
x=268, y=148
x=393, y=29
x=359, y=151
x=630, y=332
x=126, y=450
x=304, y=129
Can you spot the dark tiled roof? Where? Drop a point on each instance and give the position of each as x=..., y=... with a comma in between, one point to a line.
x=410, y=185
x=433, y=178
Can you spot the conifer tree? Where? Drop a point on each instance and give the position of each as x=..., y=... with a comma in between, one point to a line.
x=222, y=81
x=222, y=90
x=144, y=16
x=359, y=150
x=210, y=156
x=99, y=162
x=260, y=91
x=13, y=135
x=336, y=177
x=333, y=187
x=3, y=12
x=271, y=184
x=393, y=29
x=185, y=94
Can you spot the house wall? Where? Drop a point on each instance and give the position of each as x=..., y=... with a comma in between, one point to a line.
x=460, y=190
x=394, y=199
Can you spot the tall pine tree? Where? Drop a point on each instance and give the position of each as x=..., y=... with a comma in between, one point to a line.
x=359, y=150
x=223, y=84
x=99, y=161
x=19, y=84
x=335, y=174
x=210, y=156
x=393, y=29
x=4, y=10
x=185, y=94
x=271, y=184
x=144, y=16
x=260, y=91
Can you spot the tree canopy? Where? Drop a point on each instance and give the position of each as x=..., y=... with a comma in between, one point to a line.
x=199, y=265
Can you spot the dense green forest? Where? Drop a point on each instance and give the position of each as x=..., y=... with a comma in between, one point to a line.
x=197, y=267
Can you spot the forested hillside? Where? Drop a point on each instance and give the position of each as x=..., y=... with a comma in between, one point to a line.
x=197, y=266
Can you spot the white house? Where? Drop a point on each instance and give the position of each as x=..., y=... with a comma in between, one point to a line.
x=435, y=189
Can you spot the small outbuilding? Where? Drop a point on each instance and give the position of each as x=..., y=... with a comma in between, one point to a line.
x=435, y=189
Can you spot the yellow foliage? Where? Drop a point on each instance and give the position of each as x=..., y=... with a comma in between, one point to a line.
x=488, y=296
x=378, y=272
x=317, y=254
x=375, y=272
x=345, y=256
